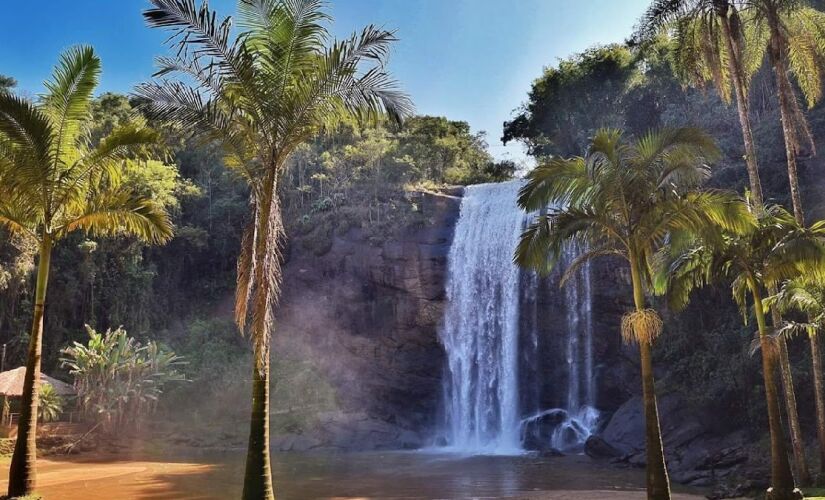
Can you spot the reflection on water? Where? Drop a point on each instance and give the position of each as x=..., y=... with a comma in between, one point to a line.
x=429, y=475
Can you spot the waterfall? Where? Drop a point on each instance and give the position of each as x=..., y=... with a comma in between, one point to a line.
x=485, y=409
x=580, y=417
x=480, y=332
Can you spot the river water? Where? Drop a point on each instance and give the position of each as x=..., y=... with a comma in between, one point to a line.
x=199, y=475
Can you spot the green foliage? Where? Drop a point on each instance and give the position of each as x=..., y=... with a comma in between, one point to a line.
x=51, y=403
x=53, y=181
x=774, y=249
x=574, y=99
x=300, y=393
x=708, y=331
x=7, y=82
x=358, y=177
x=217, y=396
x=625, y=198
x=118, y=379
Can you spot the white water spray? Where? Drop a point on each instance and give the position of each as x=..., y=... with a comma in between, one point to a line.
x=481, y=333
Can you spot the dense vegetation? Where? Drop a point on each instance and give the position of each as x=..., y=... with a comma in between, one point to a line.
x=645, y=92
x=347, y=162
x=683, y=65
x=350, y=177
x=94, y=183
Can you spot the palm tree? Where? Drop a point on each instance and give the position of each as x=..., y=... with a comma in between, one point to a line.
x=54, y=181
x=795, y=45
x=626, y=199
x=51, y=403
x=279, y=83
x=808, y=296
x=724, y=41
x=777, y=248
x=710, y=45
x=794, y=36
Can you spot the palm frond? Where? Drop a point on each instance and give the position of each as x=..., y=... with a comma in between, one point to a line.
x=29, y=131
x=68, y=99
x=658, y=16
x=806, y=46
x=120, y=212
x=542, y=244
x=555, y=182
x=246, y=271
x=584, y=257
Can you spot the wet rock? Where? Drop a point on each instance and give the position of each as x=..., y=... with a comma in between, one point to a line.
x=538, y=431
x=625, y=430
x=597, y=447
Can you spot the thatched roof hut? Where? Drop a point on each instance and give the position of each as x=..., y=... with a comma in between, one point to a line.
x=11, y=383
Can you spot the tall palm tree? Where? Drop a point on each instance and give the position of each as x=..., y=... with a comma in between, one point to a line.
x=281, y=81
x=777, y=248
x=54, y=181
x=725, y=41
x=795, y=35
x=626, y=199
x=710, y=45
x=808, y=296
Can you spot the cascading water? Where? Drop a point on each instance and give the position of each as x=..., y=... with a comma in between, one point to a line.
x=480, y=332
x=580, y=416
x=484, y=401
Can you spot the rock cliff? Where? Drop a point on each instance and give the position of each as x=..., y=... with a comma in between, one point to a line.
x=367, y=316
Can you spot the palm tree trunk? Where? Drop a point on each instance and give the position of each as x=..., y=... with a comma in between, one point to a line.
x=658, y=483
x=819, y=387
x=782, y=482
x=742, y=106
x=791, y=142
x=22, y=472
x=257, y=483
x=786, y=95
x=803, y=474
x=258, y=474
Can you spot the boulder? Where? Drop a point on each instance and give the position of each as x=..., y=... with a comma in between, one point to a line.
x=625, y=431
x=597, y=447
x=695, y=455
x=538, y=431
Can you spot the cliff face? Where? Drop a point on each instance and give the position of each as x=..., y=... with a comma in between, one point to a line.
x=367, y=317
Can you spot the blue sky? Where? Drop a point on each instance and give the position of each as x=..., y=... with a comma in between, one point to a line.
x=469, y=60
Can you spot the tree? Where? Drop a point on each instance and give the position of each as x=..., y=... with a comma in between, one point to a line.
x=53, y=182
x=710, y=45
x=279, y=83
x=51, y=403
x=775, y=249
x=7, y=82
x=808, y=296
x=568, y=103
x=795, y=45
x=627, y=199
x=118, y=379
x=715, y=43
